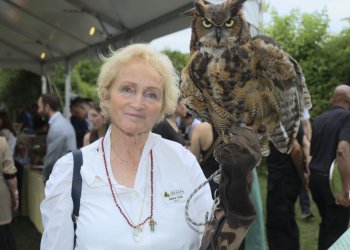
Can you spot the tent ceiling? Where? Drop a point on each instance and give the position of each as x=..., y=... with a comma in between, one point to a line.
x=61, y=28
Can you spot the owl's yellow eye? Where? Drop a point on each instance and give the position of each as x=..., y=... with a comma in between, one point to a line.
x=229, y=23
x=206, y=23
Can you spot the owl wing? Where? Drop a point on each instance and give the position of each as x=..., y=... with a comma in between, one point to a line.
x=288, y=86
x=193, y=96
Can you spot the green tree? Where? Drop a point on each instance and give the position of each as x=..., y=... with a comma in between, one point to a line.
x=178, y=59
x=19, y=87
x=324, y=58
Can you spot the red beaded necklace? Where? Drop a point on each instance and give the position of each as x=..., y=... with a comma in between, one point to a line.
x=150, y=217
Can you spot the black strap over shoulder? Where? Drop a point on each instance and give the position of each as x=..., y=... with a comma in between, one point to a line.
x=76, y=188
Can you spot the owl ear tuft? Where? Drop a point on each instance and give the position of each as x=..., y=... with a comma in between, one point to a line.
x=199, y=5
x=235, y=5
x=189, y=12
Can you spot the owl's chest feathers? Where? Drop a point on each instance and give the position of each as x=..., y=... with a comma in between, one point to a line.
x=224, y=68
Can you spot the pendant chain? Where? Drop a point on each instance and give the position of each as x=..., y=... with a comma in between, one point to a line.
x=150, y=217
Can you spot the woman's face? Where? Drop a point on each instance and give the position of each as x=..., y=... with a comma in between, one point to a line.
x=136, y=98
x=96, y=119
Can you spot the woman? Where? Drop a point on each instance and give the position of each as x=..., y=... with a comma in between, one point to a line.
x=100, y=125
x=203, y=142
x=7, y=130
x=135, y=184
x=9, y=196
x=168, y=128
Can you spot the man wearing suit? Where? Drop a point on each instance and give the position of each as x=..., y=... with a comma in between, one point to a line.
x=60, y=137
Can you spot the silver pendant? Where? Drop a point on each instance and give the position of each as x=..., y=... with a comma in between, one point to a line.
x=137, y=234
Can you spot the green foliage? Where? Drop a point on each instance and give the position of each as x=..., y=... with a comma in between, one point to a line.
x=324, y=58
x=178, y=59
x=18, y=87
x=83, y=78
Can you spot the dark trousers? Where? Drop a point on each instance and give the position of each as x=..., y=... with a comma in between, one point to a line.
x=283, y=187
x=304, y=201
x=334, y=218
x=7, y=240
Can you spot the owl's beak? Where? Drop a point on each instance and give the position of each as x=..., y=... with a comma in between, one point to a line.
x=218, y=34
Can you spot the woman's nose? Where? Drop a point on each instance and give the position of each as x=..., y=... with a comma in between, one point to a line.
x=138, y=102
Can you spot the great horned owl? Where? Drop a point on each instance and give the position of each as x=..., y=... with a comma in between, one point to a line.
x=233, y=80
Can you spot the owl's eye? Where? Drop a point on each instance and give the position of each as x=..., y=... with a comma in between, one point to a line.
x=229, y=23
x=206, y=23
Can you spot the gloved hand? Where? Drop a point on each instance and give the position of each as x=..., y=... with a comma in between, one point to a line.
x=237, y=159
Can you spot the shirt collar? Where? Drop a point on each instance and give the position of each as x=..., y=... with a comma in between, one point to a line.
x=54, y=117
x=143, y=172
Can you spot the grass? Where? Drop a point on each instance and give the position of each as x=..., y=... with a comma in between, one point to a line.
x=308, y=229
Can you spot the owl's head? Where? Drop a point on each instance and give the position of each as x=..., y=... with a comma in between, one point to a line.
x=218, y=25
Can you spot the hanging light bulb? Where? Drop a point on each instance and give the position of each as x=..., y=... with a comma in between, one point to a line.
x=42, y=55
x=92, y=30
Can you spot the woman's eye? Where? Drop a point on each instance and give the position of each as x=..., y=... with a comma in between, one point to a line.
x=126, y=90
x=152, y=96
x=206, y=23
x=229, y=23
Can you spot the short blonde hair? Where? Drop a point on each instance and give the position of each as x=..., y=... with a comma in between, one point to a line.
x=159, y=61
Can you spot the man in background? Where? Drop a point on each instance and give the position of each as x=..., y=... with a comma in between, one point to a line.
x=61, y=136
x=79, y=108
x=331, y=140
x=285, y=176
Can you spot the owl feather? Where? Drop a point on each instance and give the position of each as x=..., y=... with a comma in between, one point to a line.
x=233, y=80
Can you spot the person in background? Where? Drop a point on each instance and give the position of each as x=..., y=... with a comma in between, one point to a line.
x=88, y=103
x=134, y=183
x=24, y=119
x=203, y=142
x=168, y=128
x=100, y=125
x=7, y=130
x=40, y=125
x=186, y=124
x=9, y=196
x=60, y=137
x=331, y=141
x=79, y=109
x=285, y=176
x=304, y=199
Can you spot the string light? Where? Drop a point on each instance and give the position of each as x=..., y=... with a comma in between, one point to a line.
x=92, y=30
x=42, y=55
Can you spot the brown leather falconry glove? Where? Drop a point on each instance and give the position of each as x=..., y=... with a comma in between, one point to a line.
x=237, y=159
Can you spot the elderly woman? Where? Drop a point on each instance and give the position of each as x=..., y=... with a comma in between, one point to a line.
x=135, y=184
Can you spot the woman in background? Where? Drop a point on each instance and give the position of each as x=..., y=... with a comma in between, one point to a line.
x=168, y=128
x=8, y=131
x=9, y=196
x=100, y=125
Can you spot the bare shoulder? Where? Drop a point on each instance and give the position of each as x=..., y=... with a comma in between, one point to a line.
x=203, y=127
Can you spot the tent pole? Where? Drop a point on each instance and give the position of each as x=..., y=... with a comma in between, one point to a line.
x=43, y=84
x=67, y=90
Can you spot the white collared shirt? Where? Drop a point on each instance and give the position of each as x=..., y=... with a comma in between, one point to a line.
x=102, y=226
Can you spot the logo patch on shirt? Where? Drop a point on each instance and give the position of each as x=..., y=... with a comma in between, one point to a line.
x=174, y=195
